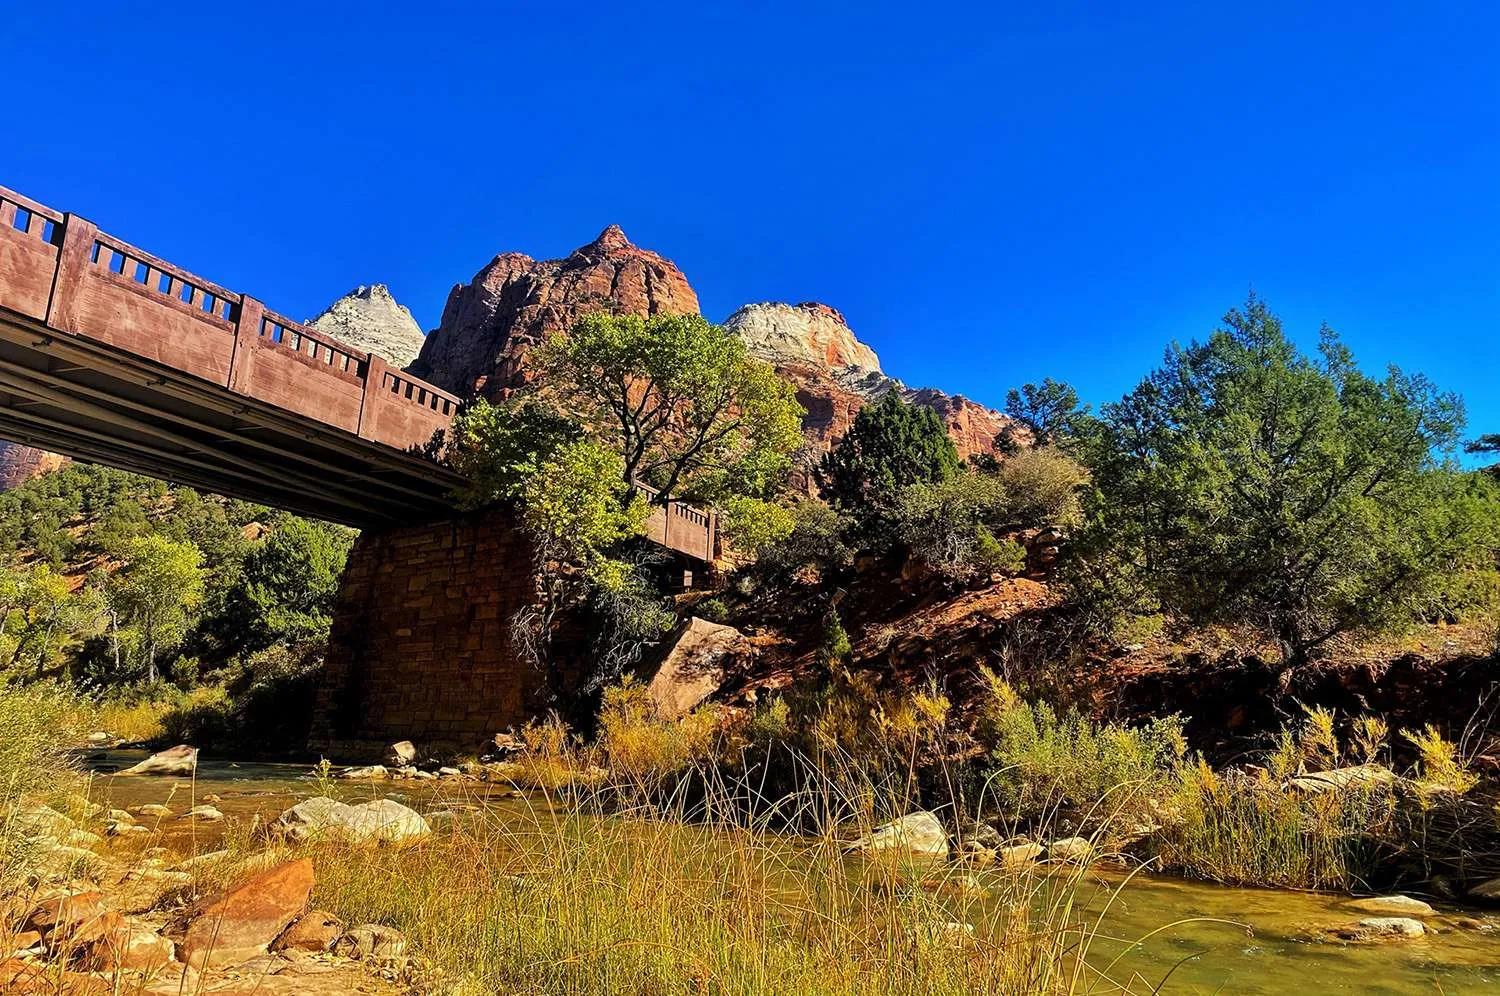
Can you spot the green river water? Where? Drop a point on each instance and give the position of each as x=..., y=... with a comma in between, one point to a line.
x=1273, y=942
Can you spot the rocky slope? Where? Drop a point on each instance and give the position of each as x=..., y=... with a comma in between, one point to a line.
x=369, y=318
x=515, y=302
x=812, y=345
x=19, y=464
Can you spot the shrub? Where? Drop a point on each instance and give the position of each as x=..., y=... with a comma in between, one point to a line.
x=815, y=542
x=645, y=748
x=948, y=524
x=1042, y=488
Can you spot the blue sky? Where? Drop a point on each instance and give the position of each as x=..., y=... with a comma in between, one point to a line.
x=991, y=193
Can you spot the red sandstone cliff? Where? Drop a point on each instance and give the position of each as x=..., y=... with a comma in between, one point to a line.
x=19, y=464
x=515, y=302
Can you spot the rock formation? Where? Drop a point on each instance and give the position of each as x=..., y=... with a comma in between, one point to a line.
x=19, y=464
x=515, y=302
x=369, y=318
x=812, y=346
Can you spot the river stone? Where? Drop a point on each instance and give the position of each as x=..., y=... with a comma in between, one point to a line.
x=383, y=820
x=131, y=945
x=314, y=931
x=371, y=940
x=1487, y=890
x=180, y=761
x=1393, y=905
x=1072, y=849
x=207, y=813
x=369, y=771
x=239, y=924
x=401, y=754
x=1388, y=926
x=918, y=833
x=153, y=809
x=1020, y=855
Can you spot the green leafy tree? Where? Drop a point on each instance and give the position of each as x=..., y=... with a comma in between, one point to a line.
x=890, y=446
x=682, y=402
x=1244, y=481
x=500, y=447
x=1489, y=443
x=1049, y=411
x=291, y=580
x=156, y=593
x=42, y=616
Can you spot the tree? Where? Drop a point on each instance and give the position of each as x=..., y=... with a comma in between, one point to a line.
x=682, y=402
x=291, y=580
x=41, y=614
x=1487, y=443
x=1050, y=411
x=890, y=446
x=1244, y=481
x=156, y=592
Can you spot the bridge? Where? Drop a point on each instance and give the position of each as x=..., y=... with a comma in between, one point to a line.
x=115, y=356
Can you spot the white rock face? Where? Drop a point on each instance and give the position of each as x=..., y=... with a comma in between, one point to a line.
x=369, y=318
x=807, y=333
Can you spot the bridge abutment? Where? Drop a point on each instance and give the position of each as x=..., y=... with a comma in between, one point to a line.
x=420, y=647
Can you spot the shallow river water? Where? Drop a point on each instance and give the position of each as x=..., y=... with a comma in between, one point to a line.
x=1271, y=943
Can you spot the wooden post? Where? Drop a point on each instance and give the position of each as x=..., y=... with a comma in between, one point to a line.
x=73, y=261
x=375, y=369
x=246, y=340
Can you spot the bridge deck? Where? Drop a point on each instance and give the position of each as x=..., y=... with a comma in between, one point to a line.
x=112, y=355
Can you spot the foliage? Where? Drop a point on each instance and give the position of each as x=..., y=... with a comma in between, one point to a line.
x=689, y=411
x=816, y=541
x=752, y=524
x=645, y=748
x=291, y=580
x=630, y=615
x=890, y=446
x=1050, y=411
x=1244, y=481
x=155, y=594
x=1042, y=761
x=949, y=524
x=42, y=618
x=38, y=720
x=499, y=447
x=1043, y=488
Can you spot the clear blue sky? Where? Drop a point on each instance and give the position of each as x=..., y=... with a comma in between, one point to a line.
x=992, y=193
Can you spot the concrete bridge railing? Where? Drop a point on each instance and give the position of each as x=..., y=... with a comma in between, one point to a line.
x=60, y=270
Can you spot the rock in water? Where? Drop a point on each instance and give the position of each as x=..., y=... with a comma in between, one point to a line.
x=1404, y=906
x=241, y=923
x=1389, y=926
x=401, y=754
x=515, y=303
x=382, y=820
x=180, y=761
x=915, y=833
x=369, y=318
x=1075, y=850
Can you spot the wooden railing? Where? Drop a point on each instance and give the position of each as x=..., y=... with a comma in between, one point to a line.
x=60, y=270
x=684, y=528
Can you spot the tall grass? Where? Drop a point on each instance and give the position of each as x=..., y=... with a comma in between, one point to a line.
x=36, y=722
x=580, y=899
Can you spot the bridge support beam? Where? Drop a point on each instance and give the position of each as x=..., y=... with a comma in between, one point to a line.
x=420, y=647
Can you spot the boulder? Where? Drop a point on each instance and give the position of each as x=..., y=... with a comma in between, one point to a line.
x=1392, y=905
x=915, y=833
x=131, y=945
x=402, y=754
x=1020, y=855
x=145, y=888
x=242, y=922
x=153, y=809
x=366, y=773
x=180, y=761
x=313, y=931
x=206, y=813
x=1486, y=890
x=371, y=940
x=25, y=942
x=381, y=820
x=1074, y=850
x=693, y=666
x=43, y=822
x=60, y=918
x=1381, y=927
x=1357, y=776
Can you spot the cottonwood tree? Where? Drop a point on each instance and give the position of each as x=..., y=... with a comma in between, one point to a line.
x=1244, y=481
x=690, y=412
x=155, y=593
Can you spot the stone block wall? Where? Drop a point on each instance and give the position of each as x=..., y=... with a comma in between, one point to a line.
x=420, y=647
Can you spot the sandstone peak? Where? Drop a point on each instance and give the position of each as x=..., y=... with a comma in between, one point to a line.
x=612, y=238
x=515, y=302
x=370, y=318
x=810, y=332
